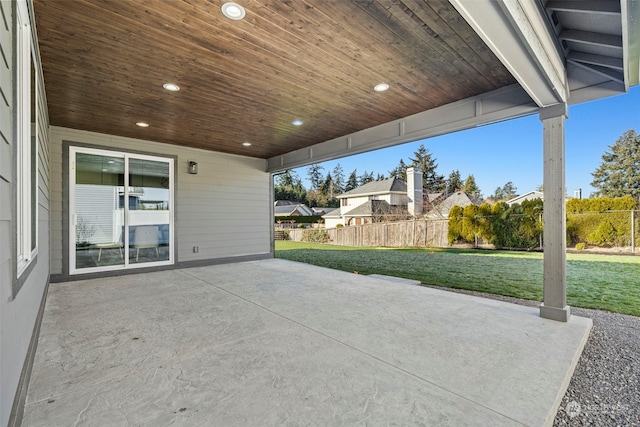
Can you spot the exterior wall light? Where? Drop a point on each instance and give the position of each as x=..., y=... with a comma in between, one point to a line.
x=193, y=167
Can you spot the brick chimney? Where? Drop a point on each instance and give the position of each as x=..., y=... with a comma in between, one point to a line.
x=414, y=192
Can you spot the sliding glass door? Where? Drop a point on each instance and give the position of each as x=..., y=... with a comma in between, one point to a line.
x=121, y=207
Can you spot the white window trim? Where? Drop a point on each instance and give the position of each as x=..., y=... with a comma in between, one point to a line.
x=25, y=208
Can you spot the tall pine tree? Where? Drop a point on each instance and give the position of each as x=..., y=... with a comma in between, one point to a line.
x=454, y=182
x=338, y=179
x=315, y=175
x=619, y=173
x=471, y=188
x=352, y=182
x=425, y=163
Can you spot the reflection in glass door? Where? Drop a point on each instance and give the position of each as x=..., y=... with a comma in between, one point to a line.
x=121, y=210
x=149, y=211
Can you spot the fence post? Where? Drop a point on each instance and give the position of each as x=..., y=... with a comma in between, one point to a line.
x=633, y=231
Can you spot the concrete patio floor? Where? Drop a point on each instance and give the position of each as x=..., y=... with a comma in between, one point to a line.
x=275, y=342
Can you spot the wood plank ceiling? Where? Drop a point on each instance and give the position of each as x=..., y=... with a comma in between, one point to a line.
x=105, y=62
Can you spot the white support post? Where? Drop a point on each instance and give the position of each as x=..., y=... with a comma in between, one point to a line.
x=554, y=305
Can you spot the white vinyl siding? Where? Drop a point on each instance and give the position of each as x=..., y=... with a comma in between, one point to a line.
x=224, y=210
x=20, y=297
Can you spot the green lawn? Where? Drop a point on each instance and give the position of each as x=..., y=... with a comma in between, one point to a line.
x=604, y=282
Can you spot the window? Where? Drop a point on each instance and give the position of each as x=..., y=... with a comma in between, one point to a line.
x=27, y=143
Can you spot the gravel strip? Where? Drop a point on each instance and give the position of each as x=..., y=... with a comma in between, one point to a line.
x=605, y=387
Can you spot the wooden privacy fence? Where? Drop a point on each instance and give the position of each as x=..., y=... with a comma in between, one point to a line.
x=415, y=233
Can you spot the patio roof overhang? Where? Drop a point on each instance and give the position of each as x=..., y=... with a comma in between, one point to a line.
x=450, y=66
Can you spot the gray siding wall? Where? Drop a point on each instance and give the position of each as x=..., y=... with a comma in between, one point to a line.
x=224, y=209
x=18, y=313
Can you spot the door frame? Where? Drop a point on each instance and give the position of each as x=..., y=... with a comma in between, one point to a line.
x=71, y=230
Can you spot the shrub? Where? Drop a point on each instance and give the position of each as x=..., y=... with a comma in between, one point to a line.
x=339, y=225
x=454, y=233
x=581, y=246
x=300, y=225
x=313, y=235
x=605, y=235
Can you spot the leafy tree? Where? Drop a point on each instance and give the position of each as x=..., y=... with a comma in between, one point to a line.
x=352, y=182
x=470, y=186
x=338, y=179
x=454, y=182
x=619, y=173
x=315, y=175
x=425, y=163
x=399, y=171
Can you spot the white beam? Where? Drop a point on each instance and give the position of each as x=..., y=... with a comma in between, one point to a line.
x=631, y=41
x=586, y=6
x=600, y=60
x=491, y=107
x=608, y=73
x=518, y=33
x=610, y=41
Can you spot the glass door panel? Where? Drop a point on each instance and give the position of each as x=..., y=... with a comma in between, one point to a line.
x=149, y=211
x=121, y=210
x=98, y=222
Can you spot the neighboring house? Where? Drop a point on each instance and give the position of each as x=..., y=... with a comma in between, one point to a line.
x=321, y=210
x=289, y=208
x=459, y=198
x=531, y=195
x=379, y=200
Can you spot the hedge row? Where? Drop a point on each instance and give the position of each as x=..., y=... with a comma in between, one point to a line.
x=515, y=226
x=602, y=222
x=300, y=219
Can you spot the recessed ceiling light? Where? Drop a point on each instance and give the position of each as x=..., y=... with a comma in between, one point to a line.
x=233, y=11
x=143, y=124
x=246, y=144
x=297, y=122
x=381, y=87
x=171, y=86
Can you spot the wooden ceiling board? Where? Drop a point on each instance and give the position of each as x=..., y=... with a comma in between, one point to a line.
x=104, y=64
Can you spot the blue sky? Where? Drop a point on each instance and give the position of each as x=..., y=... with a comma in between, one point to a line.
x=512, y=150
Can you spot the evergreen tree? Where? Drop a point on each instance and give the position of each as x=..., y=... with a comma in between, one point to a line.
x=380, y=177
x=510, y=190
x=365, y=178
x=471, y=188
x=288, y=186
x=619, y=173
x=454, y=182
x=424, y=162
x=498, y=195
x=352, y=182
x=399, y=171
x=315, y=175
x=327, y=188
x=338, y=179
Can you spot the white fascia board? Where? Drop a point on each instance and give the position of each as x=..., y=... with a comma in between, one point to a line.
x=517, y=32
x=491, y=107
x=630, y=10
x=377, y=193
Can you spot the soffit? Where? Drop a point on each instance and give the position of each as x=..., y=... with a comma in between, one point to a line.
x=104, y=63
